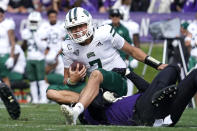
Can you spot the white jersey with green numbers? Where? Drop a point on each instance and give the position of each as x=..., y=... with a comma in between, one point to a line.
x=5, y=26
x=55, y=34
x=36, y=48
x=100, y=53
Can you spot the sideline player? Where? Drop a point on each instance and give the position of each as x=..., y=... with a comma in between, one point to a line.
x=54, y=31
x=7, y=40
x=36, y=43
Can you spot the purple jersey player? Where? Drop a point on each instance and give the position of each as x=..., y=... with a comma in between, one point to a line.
x=158, y=101
x=119, y=113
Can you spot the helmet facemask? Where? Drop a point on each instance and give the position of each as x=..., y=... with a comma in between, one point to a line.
x=81, y=35
x=34, y=20
x=33, y=25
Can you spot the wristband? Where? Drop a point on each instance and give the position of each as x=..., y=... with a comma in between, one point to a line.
x=152, y=62
x=70, y=83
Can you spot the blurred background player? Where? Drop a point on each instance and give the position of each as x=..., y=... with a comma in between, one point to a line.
x=55, y=72
x=16, y=75
x=36, y=43
x=115, y=17
x=119, y=28
x=124, y=7
x=7, y=40
x=55, y=35
x=54, y=32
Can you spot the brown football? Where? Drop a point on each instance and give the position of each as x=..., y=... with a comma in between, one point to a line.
x=74, y=65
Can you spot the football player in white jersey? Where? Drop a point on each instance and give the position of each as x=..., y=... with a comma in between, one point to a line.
x=55, y=33
x=36, y=42
x=97, y=49
x=54, y=30
x=7, y=40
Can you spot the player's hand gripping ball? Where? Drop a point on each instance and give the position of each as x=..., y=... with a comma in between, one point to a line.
x=74, y=65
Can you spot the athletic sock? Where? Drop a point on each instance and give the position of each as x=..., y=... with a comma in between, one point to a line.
x=79, y=108
x=43, y=87
x=34, y=91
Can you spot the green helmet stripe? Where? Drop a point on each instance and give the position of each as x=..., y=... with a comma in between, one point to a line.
x=70, y=19
x=86, y=12
x=75, y=13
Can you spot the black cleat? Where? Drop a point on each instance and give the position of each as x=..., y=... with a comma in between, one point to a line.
x=9, y=101
x=164, y=95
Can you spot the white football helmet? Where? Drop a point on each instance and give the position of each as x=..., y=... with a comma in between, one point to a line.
x=34, y=20
x=79, y=16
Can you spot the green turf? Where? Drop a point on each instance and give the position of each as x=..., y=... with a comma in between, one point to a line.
x=157, y=54
x=47, y=117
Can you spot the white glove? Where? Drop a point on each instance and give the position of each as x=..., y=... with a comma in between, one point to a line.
x=133, y=64
x=126, y=62
x=9, y=63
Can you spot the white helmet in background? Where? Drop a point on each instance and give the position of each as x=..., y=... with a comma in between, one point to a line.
x=34, y=20
x=79, y=16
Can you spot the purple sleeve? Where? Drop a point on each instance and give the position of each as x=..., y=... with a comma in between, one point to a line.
x=119, y=113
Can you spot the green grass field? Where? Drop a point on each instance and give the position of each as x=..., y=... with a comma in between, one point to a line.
x=47, y=117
